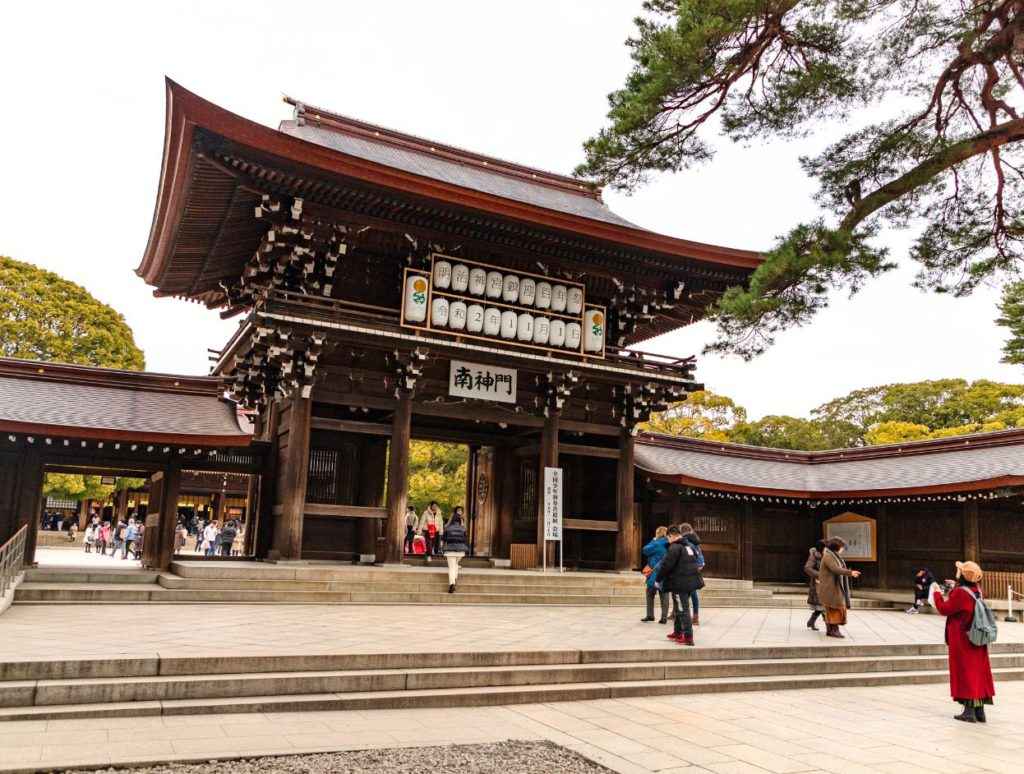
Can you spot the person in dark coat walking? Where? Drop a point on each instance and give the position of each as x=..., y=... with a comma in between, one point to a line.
x=455, y=547
x=970, y=674
x=679, y=574
x=654, y=552
x=691, y=537
x=811, y=567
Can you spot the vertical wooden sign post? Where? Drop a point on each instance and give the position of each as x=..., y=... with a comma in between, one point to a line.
x=553, y=514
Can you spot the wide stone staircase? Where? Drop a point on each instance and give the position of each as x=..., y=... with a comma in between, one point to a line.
x=191, y=685
x=199, y=581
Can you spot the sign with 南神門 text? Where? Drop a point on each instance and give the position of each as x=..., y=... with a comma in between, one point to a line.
x=469, y=380
x=552, y=503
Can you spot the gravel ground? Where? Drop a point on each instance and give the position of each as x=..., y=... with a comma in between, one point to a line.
x=497, y=758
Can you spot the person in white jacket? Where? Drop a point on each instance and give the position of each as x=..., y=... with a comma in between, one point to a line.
x=431, y=526
x=210, y=539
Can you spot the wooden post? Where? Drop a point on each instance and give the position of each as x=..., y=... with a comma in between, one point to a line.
x=262, y=511
x=168, y=515
x=398, y=477
x=882, y=546
x=504, y=488
x=624, y=558
x=747, y=543
x=371, y=492
x=972, y=532
x=293, y=444
x=548, y=459
x=30, y=498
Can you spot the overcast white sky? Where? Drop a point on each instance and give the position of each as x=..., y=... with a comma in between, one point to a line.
x=81, y=135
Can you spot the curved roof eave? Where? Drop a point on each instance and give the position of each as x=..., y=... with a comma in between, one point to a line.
x=187, y=111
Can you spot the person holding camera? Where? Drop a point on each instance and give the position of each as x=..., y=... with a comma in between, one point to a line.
x=970, y=673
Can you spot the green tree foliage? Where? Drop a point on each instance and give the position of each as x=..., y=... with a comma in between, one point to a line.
x=45, y=317
x=702, y=415
x=945, y=78
x=785, y=432
x=437, y=471
x=68, y=486
x=936, y=405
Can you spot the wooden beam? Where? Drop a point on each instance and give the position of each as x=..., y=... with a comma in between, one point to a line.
x=323, y=510
x=548, y=459
x=591, y=525
x=168, y=519
x=350, y=426
x=482, y=413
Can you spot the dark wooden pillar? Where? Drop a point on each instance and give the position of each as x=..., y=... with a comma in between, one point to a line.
x=747, y=543
x=506, y=480
x=252, y=499
x=371, y=492
x=624, y=558
x=398, y=477
x=972, y=532
x=168, y=518
x=548, y=459
x=262, y=511
x=29, y=500
x=293, y=451
x=882, y=546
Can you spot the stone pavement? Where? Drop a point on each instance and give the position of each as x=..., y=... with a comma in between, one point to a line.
x=100, y=630
x=842, y=730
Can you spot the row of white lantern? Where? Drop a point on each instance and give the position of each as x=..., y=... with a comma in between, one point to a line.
x=507, y=324
x=509, y=288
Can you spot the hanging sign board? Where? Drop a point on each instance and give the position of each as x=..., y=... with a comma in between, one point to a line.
x=552, y=503
x=470, y=380
x=860, y=535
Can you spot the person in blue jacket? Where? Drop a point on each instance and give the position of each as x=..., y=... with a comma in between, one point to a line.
x=691, y=537
x=654, y=552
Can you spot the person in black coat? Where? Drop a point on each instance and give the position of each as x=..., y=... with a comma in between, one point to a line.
x=455, y=547
x=679, y=574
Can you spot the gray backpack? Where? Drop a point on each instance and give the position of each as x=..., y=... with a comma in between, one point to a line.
x=983, y=630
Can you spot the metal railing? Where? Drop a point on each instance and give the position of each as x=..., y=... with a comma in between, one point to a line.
x=12, y=559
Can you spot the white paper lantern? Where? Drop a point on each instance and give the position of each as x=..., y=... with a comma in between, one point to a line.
x=508, y=324
x=456, y=315
x=541, y=330
x=510, y=289
x=527, y=291
x=474, y=318
x=460, y=277
x=572, y=336
x=416, y=298
x=559, y=296
x=439, y=312
x=492, y=321
x=442, y=275
x=593, y=330
x=574, y=301
x=494, y=284
x=524, y=328
x=477, y=281
x=543, y=300
x=556, y=334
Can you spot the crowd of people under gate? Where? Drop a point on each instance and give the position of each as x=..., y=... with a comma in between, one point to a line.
x=208, y=537
x=124, y=537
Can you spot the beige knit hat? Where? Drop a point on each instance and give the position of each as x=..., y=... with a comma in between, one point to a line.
x=969, y=570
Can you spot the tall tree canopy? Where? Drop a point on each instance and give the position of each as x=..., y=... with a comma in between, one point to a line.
x=944, y=80
x=437, y=471
x=46, y=317
x=891, y=413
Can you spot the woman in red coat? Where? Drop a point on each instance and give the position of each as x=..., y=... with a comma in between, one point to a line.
x=970, y=675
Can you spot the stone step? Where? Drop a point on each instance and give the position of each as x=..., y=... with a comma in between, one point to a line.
x=427, y=583
x=101, y=576
x=155, y=664
x=482, y=696
x=194, y=687
x=43, y=593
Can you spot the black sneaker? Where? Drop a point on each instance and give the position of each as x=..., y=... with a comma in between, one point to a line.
x=451, y=589
x=648, y=619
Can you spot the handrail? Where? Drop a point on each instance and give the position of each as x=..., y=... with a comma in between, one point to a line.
x=12, y=557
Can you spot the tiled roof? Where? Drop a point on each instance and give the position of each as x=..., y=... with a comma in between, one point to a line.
x=85, y=402
x=458, y=173
x=906, y=468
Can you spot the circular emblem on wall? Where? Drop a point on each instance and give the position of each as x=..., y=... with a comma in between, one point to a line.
x=483, y=487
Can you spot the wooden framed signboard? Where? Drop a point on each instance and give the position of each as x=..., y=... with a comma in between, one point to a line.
x=859, y=532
